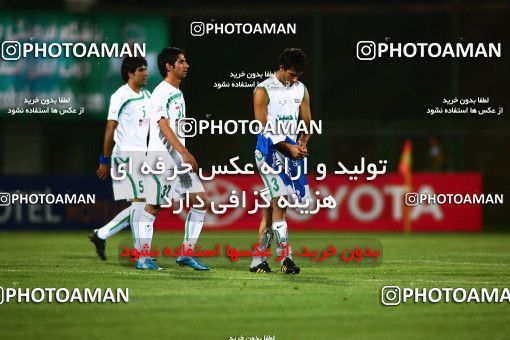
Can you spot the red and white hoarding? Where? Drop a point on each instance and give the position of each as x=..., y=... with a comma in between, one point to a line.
x=362, y=205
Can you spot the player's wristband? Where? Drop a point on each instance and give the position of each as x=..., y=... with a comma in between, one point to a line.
x=104, y=160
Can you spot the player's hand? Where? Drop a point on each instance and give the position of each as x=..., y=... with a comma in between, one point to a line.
x=296, y=152
x=187, y=157
x=103, y=171
x=302, y=146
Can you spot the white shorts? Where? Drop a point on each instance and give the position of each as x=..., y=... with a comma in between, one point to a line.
x=160, y=190
x=272, y=182
x=132, y=186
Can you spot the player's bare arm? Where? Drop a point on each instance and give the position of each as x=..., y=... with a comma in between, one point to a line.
x=170, y=136
x=260, y=102
x=104, y=169
x=305, y=115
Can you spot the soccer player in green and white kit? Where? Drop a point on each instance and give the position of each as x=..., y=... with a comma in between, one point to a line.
x=127, y=127
x=168, y=107
x=280, y=98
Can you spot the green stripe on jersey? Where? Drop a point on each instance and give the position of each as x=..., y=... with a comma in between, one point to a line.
x=130, y=100
x=132, y=222
x=174, y=96
x=271, y=194
x=158, y=187
x=119, y=225
x=186, y=227
x=170, y=100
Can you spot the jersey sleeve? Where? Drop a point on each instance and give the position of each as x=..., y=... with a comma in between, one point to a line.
x=115, y=106
x=174, y=104
x=158, y=106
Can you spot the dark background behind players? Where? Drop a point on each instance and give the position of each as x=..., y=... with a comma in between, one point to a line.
x=368, y=108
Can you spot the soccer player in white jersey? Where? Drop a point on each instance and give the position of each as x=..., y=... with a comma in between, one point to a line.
x=168, y=107
x=127, y=127
x=281, y=98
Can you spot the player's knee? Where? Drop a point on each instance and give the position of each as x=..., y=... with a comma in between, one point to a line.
x=200, y=201
x=277, y=213
x=207, y=204
x=268, y=217
x=153, y=209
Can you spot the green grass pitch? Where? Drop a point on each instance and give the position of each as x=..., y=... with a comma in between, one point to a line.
x=325, y=301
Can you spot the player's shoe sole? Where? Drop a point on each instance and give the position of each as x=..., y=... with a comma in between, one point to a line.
x=99, y=243
x=289, y=267
x=186, y=261
x=262, y=267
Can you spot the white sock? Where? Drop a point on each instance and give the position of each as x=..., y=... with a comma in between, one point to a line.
x=193, y=227
x=118, y=223
x=256, y=260
x=134, y=219
x=145, y=231
x=265, y=240
x=281, y=234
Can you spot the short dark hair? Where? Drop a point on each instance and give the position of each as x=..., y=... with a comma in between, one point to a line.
x=130, y=64
x=293, y=58
x=168, y=55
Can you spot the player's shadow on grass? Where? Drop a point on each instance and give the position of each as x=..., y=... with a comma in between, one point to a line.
x=81, y=257
x=191, y=274
x=171, y=269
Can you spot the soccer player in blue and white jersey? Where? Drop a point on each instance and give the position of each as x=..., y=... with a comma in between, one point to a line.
x=281, y=97
x=125, y=141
